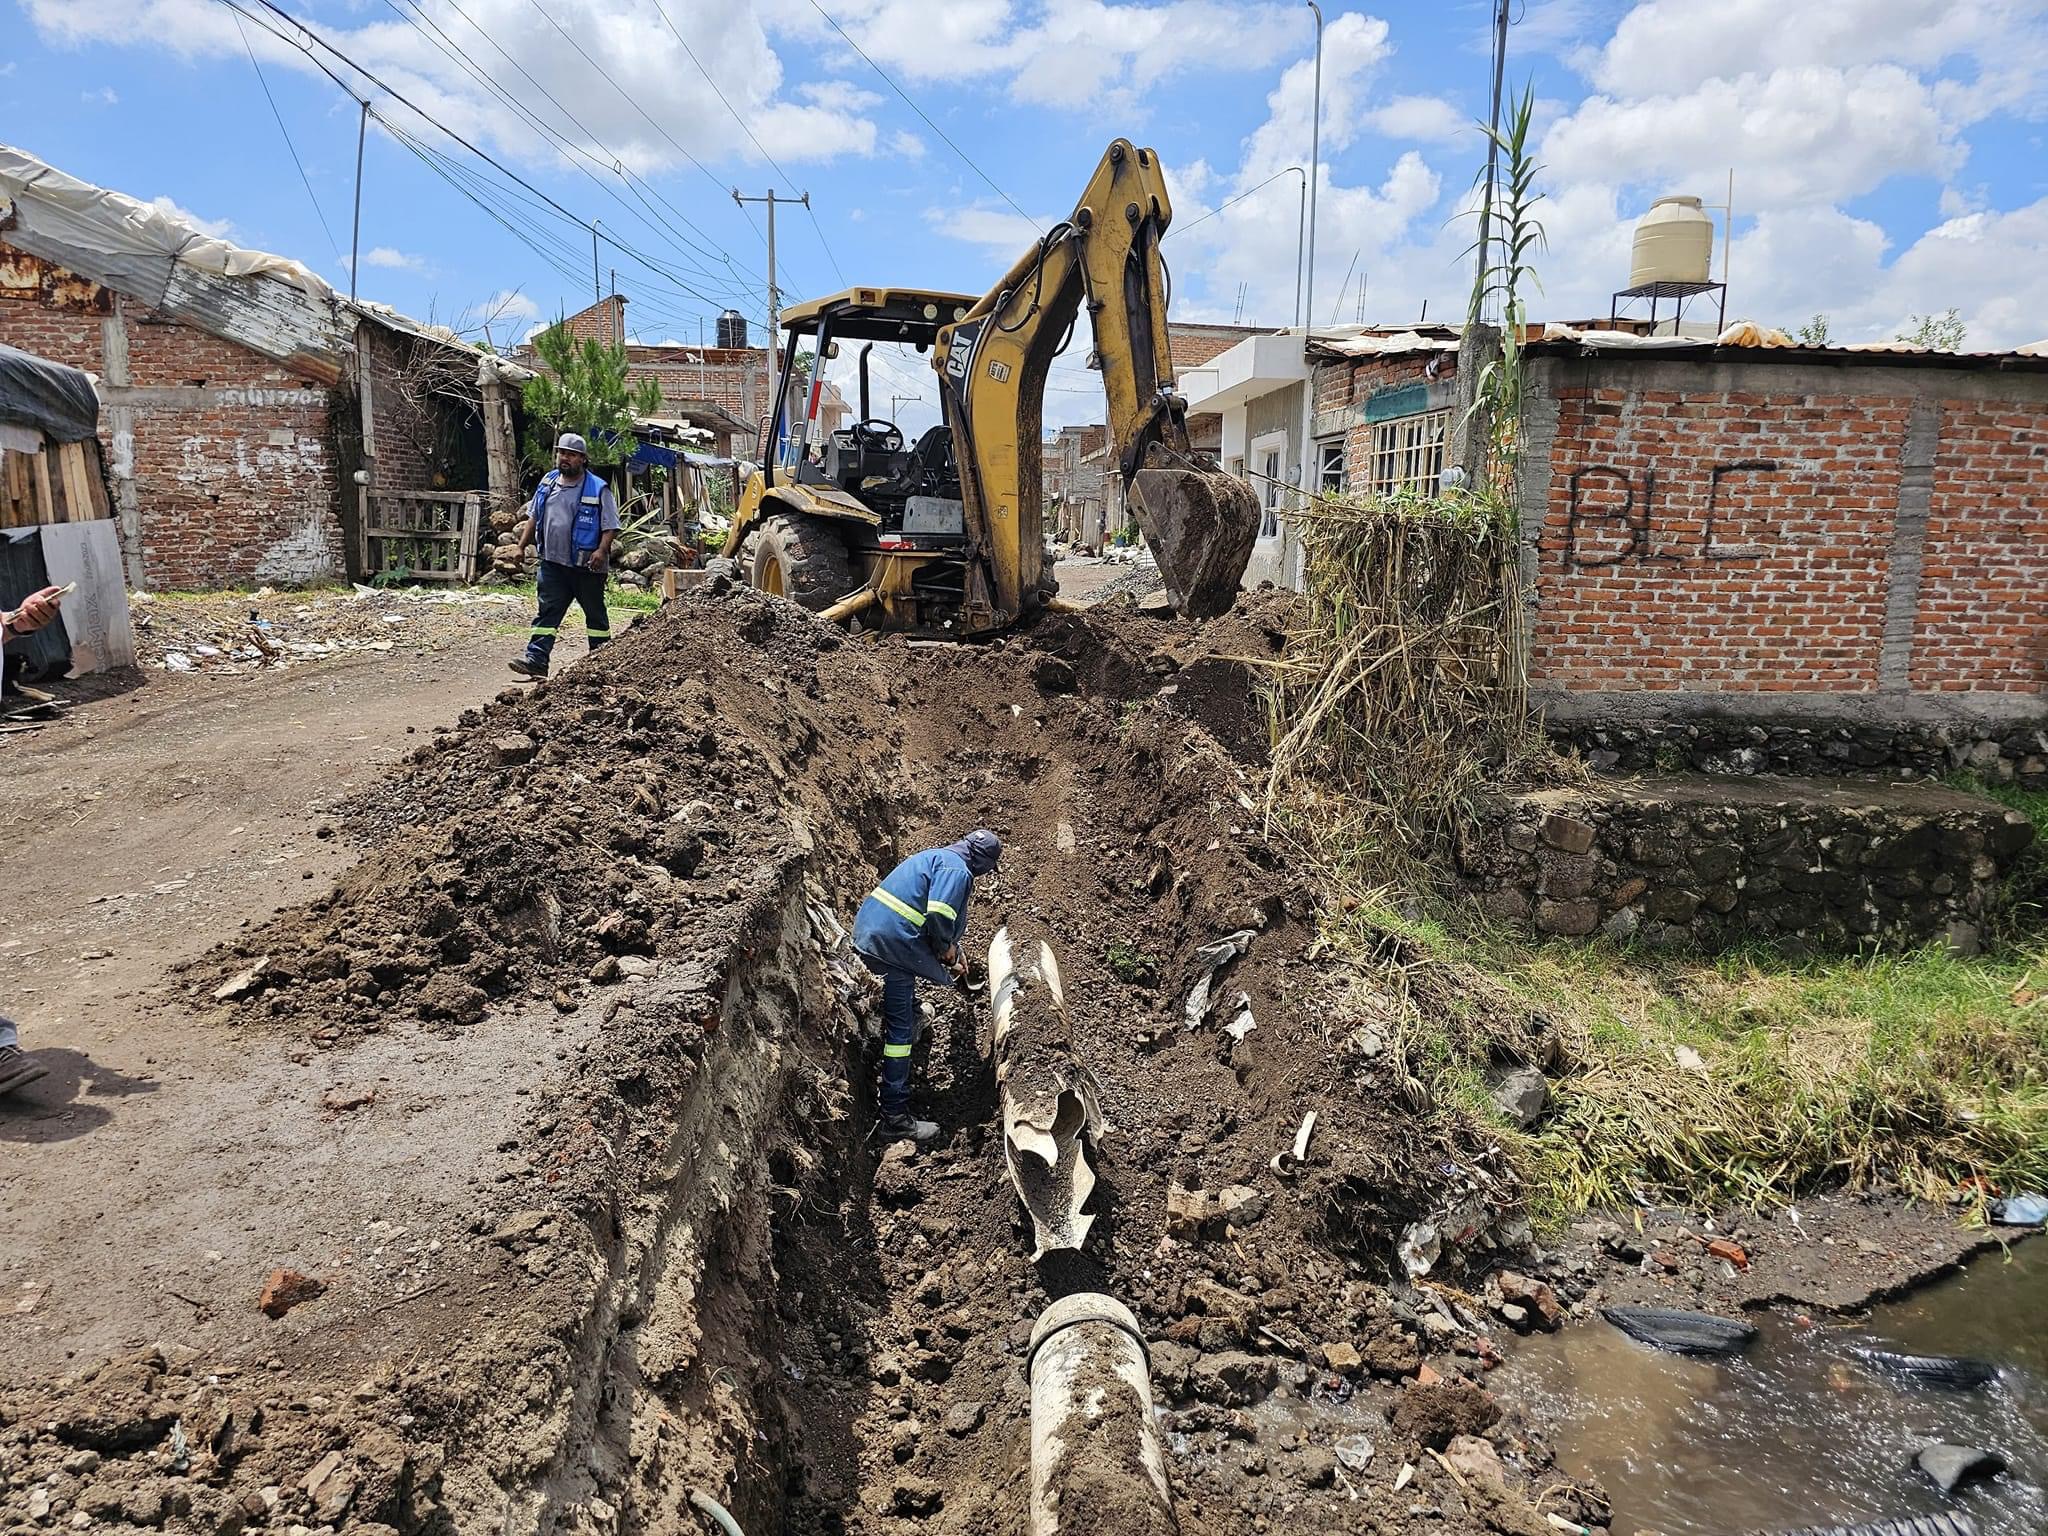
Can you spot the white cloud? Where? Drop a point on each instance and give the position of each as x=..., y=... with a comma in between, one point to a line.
x=1798, y=134
x=1429, y=118
x=1665, y=46
x=906, y=145
x=393, y=260
x=1101, y=56
x=105, y=96
x=997, y=230
x=641, y=100
x=511, y=304
x=1354, y=47
x=219, y=229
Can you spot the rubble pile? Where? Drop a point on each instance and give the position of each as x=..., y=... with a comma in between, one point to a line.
x=701, y=1275
x=269, y=630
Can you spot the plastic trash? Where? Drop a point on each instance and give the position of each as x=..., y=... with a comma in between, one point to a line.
x=2020, y=1210
x=1421, y=1246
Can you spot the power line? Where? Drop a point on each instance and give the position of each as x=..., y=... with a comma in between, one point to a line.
x=617, y=166
x=1180, y=229
x=624, y=96
x=448, y=47
x=510, y=176
x=746, y=128
x=291, y=148
x=920, y=111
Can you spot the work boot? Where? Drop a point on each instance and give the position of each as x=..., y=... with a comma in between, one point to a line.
x=528, y=668
x=908, y=1128
x=17, y=1071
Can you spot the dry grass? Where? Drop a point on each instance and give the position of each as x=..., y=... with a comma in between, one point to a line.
x=1403, y=685
x=1748, y=1077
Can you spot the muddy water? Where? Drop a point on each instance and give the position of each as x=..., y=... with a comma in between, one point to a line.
x=1798, y=1432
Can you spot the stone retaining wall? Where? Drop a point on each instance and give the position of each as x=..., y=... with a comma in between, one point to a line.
x=2013, y=752
x=1714, y=862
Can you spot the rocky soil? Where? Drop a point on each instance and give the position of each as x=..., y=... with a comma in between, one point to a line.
x=694, y=1272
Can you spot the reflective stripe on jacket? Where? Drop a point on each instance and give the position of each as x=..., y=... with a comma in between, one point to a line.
x=918, y=910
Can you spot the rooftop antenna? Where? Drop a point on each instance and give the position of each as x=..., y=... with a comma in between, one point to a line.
x=1342, y=288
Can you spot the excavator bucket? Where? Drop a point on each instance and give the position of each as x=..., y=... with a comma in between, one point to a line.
x=1200, y=524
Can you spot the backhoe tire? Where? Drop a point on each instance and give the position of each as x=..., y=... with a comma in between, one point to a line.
x=803, y=558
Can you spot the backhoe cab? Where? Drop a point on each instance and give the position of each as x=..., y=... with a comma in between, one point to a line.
x=945, y=535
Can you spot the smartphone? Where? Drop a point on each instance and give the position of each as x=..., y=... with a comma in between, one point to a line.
x=64, y=591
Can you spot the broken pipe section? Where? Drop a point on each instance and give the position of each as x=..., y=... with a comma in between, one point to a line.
x=1096, y=1462
x=1049, y=1100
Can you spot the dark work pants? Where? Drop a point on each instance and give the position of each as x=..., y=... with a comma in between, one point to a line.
x=899, y=1033
x=559, y=586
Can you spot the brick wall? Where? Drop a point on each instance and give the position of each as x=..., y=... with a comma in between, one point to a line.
x=1805, y=530
x=1343, y=391
x=1983, y=610
x=428, y=438
x=1192, y=344
x=229, y=454
x=603, y=321
x=1717, y=541
x=1859, y=537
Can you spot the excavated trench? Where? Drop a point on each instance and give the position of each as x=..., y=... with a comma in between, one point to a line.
x=708, y=1279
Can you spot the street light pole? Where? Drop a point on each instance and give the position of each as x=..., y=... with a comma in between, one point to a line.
x=1301, y=225
x=1307, y=316
x=1315, y=151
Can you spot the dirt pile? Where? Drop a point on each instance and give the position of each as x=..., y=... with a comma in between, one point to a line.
x=699, y=1273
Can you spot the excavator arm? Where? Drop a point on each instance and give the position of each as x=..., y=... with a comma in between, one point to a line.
x=993, y=363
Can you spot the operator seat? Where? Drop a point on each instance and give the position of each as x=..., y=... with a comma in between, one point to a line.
x=930, y=469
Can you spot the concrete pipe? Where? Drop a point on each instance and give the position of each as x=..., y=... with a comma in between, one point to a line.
x=1096, y=1462
x=1049, y=1100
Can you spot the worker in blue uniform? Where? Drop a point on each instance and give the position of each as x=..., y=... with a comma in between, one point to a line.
x=910, y=926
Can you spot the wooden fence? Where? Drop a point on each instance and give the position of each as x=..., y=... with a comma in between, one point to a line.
x=429, y=535
x=62, y=484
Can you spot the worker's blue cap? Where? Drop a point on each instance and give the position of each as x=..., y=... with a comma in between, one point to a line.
x=982, y=849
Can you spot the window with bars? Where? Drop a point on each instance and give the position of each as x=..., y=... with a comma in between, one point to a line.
x=1330, y=467
x=1408, y=453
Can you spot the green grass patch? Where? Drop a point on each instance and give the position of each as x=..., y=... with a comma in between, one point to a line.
x=1131, y=964
x=630, y=599
x=1749, y=1076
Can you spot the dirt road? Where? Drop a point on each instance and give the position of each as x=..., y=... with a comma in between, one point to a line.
x=134, y=835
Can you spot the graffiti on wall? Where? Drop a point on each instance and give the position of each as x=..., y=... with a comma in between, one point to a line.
x=1613, y=516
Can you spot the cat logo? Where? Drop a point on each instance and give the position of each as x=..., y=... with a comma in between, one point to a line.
x=1000, y=372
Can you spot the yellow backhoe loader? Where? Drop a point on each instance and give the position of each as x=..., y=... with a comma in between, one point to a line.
x=945, y=536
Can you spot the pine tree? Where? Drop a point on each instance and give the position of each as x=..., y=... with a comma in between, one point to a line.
x=582, y=387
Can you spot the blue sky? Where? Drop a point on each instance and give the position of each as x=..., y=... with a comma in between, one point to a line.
x=1888, y=154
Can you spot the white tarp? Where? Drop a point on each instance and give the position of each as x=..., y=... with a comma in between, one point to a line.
x=89, y=218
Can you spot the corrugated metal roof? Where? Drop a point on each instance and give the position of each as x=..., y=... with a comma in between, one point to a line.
x=270, y=304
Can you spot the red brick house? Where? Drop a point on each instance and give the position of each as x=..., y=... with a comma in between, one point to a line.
x=250, y=414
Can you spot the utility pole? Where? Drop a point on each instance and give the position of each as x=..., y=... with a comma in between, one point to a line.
x=355, y=240
x=896, y=403
x=774, y=292
x=1500, y=62
x=596, y=278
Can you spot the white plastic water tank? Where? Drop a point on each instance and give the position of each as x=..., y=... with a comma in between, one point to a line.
x=1674, y=243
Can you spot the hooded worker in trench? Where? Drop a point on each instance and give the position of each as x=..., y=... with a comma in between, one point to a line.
x=910, y=926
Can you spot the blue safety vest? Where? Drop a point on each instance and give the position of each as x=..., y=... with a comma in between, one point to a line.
x=589, y=525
